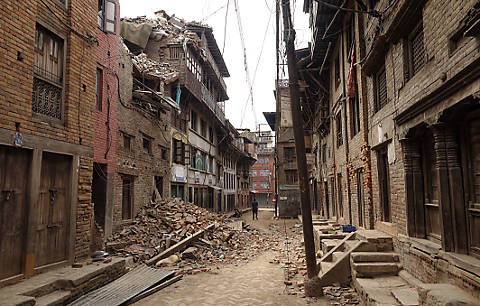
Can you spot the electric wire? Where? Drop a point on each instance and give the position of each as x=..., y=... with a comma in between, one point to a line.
x=255, y=72
x=245, y=63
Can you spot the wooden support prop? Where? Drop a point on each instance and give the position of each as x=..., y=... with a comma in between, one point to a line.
x=179, y=246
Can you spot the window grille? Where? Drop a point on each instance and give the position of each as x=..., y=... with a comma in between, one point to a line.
x=417, y=50
x=47, y=99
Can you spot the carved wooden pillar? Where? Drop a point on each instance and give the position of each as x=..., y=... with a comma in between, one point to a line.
x=457, y=195
x=414, y=193
x=441, y=167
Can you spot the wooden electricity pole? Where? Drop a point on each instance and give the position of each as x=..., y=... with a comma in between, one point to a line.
x=312, y=283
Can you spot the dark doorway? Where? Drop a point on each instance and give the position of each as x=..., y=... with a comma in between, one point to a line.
x=99, y=193
x=360, y=196
x=127, y=193
x=334, y=201
x=327, y=202
x=340, y=195
x=384, y=183
x=159, y=184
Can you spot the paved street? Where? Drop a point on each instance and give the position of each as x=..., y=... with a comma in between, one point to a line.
x=257, y=282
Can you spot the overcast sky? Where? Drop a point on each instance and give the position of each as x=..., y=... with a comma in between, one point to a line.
x=254, y=16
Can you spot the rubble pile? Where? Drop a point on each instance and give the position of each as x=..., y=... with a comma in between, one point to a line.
x=153, y=68
x=171, y=29
x=161, y=225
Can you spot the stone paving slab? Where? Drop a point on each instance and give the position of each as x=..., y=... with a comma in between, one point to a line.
x=257, y=282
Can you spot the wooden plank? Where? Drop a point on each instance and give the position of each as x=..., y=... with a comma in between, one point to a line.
x=180, y=245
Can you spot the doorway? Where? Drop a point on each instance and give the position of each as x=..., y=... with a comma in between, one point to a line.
x=360, y=197
x=53, y=210
x=159, y=185
x=99, y=193
x=384, y=184
x=13, y=210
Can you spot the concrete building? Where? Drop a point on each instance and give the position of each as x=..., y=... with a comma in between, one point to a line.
x=105, y=139
x=409, y=167
x=47, y=103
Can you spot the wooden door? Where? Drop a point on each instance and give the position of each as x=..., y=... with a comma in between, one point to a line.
x=327, y=204
x=53, y=210
x=474, y=203
x=334, y=201
x=14, y=169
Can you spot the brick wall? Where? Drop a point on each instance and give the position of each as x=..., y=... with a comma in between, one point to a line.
x=136, y=162
x=18, y=21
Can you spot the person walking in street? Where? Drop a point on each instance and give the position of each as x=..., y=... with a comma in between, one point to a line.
x=254, y=208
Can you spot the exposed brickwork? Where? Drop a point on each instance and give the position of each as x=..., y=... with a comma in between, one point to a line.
x=18, y=21
x=135, y=161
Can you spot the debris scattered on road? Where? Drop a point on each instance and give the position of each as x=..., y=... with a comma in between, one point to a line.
x=162, y=225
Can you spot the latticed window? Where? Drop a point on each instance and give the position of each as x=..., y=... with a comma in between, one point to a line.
x=416, y=50
x=48, y=74
x=381, y=98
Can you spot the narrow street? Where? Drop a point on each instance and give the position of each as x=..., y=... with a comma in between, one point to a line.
x=255, y=282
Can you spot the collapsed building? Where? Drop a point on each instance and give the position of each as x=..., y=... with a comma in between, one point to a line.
x=179, y=64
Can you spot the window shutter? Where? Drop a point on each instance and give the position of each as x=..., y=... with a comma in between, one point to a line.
x=418, y=50
x=381, y=89
x=110, y=16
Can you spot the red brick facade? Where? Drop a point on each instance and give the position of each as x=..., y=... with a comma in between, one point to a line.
x=69, y=135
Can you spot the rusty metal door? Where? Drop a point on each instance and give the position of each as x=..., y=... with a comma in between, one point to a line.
x=14, y=168
x=53, y=210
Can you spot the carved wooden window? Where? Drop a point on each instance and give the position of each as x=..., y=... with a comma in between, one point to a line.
x=355, y=115
x=381, y=98
x=178, y=148
x=48, y=74
x=416, y=51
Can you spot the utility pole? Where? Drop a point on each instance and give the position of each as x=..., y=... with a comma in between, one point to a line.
x=277, y=99
x=313, y=285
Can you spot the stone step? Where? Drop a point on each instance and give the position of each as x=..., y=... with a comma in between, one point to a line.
x=337, y=255
x=378, y=290
x=58, y=297
x=406, y=296
x=326, y=265
x=371, y=269
x=349, y=244
x=374, y=257
x=328, y=244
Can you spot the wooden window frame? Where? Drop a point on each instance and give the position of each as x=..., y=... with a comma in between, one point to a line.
x=103, y=21
x=130, y=186
x=337, y=74
x=381, y=73
x=193, y=120
x=417, y=30
x=149, y=140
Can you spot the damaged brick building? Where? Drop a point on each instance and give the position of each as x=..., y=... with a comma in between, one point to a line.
x=48, y=58
x=397, y=127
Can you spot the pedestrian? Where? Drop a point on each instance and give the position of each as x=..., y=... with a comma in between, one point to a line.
x=255, y=208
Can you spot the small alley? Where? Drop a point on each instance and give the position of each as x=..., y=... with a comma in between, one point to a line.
x=239, y=152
